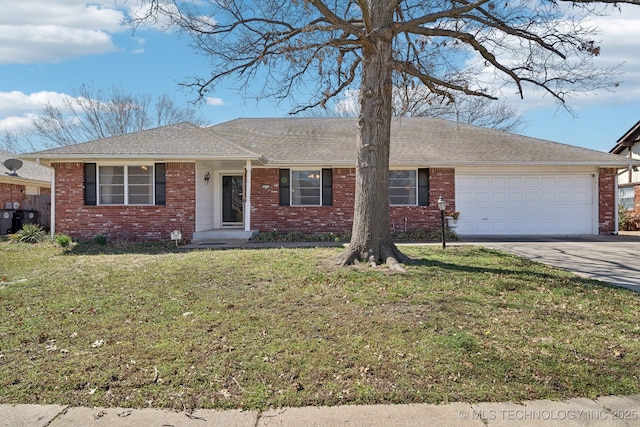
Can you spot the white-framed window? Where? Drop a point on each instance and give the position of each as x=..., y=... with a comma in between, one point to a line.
x=627, y=197
x=125, y=185
x=306, y=187
x=309, y=187
x=403, y=188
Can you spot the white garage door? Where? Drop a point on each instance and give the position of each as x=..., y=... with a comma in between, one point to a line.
x=526, y=204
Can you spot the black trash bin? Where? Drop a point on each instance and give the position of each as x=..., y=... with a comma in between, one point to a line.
x=6, y=221
x=16, y=223
x=22, y=217
x=29, y=217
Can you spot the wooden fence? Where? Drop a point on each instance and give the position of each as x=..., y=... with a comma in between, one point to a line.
x=42, y=204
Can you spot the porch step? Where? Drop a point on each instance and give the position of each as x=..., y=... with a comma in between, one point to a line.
x=219, y=235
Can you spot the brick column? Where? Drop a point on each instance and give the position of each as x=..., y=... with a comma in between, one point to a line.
x=607, y=200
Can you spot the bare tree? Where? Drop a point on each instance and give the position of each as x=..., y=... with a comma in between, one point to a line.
x=447, y=47
x=10, y=141
x=92, y=114
x=414, y=102
x=473, y=110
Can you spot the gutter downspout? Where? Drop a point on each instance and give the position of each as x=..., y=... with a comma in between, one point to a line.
x=53, y=202
x=630, y=167
x=247, y=197
x=615, y=205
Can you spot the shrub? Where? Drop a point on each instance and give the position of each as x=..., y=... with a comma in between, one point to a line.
x=30, y=233
x=297, y=236
x=100, y=239
x=420, y=234
x=624, y=218
x=63, y=240
x=265, y=237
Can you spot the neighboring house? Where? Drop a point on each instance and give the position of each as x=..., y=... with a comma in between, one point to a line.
x=302, y=177
x=629, y=178
x=26, y=188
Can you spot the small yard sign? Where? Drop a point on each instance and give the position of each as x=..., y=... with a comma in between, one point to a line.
x=176, y=235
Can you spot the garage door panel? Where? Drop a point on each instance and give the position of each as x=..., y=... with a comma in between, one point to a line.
x=481, y=182
x=498, y=197
x=566, y=197
x=532, y=182
x=514, y=197
x=584, y=197
x=532, y=196
x=482, y=197
x=584, y=182
x=549, y=197
x=512, y=204
x=566, y=182
x=514, y=182
x=498, y=182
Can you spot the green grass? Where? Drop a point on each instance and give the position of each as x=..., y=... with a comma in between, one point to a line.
x=150, y=325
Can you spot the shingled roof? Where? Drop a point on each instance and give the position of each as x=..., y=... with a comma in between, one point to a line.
x=432, y=141
x=332, y=142
x=180, y=141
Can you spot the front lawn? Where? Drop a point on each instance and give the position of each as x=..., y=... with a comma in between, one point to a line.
x=142, y=326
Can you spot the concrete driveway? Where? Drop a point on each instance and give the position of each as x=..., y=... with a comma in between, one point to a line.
x=613, y=259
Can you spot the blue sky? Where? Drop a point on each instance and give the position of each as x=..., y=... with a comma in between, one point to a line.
x=49, y=48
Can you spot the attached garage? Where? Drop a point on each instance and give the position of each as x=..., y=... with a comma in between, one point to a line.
x=527, y=203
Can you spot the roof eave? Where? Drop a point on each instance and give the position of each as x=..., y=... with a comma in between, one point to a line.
x=18, y=180
x=622, y=164
x=633, y=129
x=48, y=159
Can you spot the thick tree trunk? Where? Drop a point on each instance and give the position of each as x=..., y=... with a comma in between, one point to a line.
x=371, y=235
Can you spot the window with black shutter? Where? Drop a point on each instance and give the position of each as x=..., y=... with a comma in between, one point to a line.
x=285, y=188
x=90, y=184
x=423, y=187
x=160, y=184
x=327, y=187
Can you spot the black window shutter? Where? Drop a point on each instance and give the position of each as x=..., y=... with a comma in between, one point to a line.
x=423, y=187
x=161, y=184
x=327, y=187
x=285, y=188
x=90, y=184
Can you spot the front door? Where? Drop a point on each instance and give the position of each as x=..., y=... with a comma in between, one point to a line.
x=232, y=203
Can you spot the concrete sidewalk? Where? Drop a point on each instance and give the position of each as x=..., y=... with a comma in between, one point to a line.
x=604, y=411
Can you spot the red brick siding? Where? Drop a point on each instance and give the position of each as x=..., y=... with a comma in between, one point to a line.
x=607, y=200
x=11, y=193
x=267, y=214
x=16, y=193
x=119, y=222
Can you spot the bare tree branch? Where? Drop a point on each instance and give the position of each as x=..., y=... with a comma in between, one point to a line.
x=637, y=2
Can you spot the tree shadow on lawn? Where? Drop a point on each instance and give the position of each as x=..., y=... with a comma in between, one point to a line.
x=524, y=270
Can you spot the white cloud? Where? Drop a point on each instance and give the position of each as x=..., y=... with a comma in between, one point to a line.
x=16, y=123
x=49, y=43
x=216, y=102
x=55, y=30
x=17, y=109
